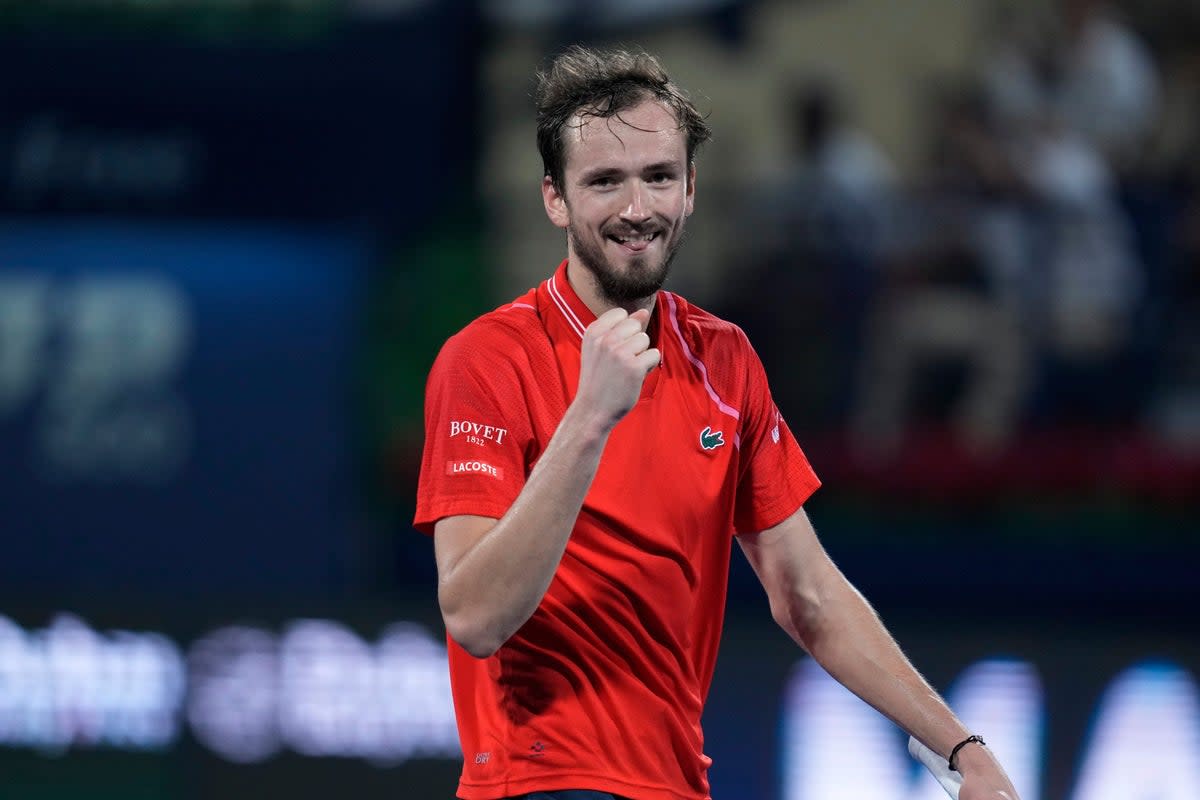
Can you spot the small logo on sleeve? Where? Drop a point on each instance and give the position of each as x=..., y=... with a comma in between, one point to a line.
x=711, y=440
x=537, y=750
x=477, y=433
x=474, y=467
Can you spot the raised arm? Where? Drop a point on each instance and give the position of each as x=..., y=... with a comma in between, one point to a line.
x=493, y=573
x=812, y=600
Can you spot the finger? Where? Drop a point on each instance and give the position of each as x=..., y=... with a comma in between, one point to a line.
x=636, y=344
x=642, y=315
x=607, y=321
x=624, y=330
x=649, y=359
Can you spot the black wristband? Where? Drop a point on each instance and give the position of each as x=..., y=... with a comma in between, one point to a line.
x=960, y=746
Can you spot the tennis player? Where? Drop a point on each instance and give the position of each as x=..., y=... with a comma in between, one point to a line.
x=591, y=449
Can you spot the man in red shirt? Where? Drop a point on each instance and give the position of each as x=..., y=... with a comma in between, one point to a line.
x=591, y=449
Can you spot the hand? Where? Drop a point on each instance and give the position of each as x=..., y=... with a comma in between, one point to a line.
x=978, y=790
x=983, y=777
x=615, y=361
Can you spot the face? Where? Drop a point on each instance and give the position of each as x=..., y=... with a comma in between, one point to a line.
x=627, y=190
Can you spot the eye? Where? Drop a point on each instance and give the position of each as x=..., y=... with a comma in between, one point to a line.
x=661, y=177
x=604, y=182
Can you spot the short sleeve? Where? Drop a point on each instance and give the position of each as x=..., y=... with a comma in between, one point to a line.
x=776, y=478
x=477, y=432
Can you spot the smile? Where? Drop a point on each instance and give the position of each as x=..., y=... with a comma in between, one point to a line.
x=636, y=242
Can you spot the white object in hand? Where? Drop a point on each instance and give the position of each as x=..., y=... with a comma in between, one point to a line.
x=950, y=780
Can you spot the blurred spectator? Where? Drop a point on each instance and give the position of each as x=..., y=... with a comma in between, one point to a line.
x=821, y=228
x=832, y=196
x=1087, y=69
x=1088, y=282
x=948, y=316
x=1072, y=110
x=939, y=326
x=1107, y=85
x=1016, y=66
x=1027, y=165
x=836, y=163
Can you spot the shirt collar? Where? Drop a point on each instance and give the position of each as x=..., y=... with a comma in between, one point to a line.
x=567, y=317
x=558, y=299
x=566, y=303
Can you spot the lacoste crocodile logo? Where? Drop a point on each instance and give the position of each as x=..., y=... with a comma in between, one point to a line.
x=711, y=440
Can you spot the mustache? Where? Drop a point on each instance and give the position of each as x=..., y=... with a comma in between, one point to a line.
x=631, y=230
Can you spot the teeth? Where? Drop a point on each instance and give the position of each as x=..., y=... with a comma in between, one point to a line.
x=645, y=237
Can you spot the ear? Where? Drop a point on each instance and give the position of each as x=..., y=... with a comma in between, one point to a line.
x=691, y=189
x=556, y=203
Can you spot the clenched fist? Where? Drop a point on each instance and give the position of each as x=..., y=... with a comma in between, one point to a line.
x=616, y=358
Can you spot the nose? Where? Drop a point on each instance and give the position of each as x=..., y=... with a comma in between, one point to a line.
x=637, y=210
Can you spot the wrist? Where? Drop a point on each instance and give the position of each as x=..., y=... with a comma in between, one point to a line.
x=970, y=752
x=590, y=427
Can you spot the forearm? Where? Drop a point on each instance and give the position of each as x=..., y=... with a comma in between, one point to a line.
x=813, y=601
x=497, y=584
x=845, y=635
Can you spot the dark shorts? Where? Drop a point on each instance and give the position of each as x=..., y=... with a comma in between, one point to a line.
x=568, y=794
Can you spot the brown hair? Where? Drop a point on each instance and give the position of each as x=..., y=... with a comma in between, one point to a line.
x=603, y=83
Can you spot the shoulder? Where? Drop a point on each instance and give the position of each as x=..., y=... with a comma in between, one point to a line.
x=703, y=331
x=511, y=334
x=718, y=350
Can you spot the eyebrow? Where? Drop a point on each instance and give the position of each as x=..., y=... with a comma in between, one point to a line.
x=664, y=166
x=606, y=172
x=598, y=172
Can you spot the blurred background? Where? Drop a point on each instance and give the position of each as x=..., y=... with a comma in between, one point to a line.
x=964, y=236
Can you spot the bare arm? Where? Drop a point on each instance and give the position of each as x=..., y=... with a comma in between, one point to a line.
x=812, y=600
x=493, y=573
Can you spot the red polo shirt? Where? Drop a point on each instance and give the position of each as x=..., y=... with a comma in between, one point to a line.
x=603, y=687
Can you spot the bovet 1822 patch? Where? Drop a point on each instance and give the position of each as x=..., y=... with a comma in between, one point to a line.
x=477, y=433
x=474, y=467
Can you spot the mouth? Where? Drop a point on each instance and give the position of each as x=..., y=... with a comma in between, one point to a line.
x=634, y=242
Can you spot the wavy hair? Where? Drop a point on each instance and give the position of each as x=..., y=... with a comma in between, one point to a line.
x=587, y=82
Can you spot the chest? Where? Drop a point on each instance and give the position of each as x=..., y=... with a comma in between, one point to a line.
x=674, y=454
x=668, y=474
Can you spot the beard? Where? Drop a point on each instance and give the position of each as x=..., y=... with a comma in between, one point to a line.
x=639, y=280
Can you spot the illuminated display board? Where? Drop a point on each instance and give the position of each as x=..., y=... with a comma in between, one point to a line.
x=1071, y=706
x=307, y=704
x=174, y=406
x=243, y=692
x=1124, y=756
x=234, y=122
